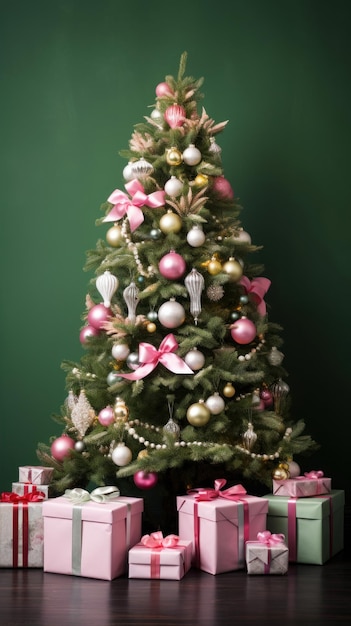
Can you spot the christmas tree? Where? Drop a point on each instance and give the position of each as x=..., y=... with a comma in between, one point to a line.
x=181, y=379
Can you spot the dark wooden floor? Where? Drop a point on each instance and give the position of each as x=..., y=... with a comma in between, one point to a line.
x=306, y=595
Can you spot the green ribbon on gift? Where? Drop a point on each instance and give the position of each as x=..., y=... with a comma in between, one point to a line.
x=79, y=497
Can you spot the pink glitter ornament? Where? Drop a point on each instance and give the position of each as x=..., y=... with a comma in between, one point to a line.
x=61, y=447
x=145, y=480
x=243, y=330
x=172, y=265
x=99, y=314
x=222, y=187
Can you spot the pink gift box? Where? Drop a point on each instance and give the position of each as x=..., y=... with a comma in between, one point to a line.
x=23, y=488
x=170, y=563
x=219, y=528
x=90, y=539
x=35, y=474
x=21, y=534
x=303, y=486
x=267, y=557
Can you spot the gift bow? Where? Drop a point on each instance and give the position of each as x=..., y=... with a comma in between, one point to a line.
x=314, y=474
x=131, y=206
x=157, y=541
x=149, y=356
x=205, y=494
x=15, y=498
x=100, y=494
x=257, y=287
x=270, y=539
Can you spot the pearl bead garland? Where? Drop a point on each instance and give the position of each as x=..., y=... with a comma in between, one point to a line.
x=134, y=249
x=249, y=355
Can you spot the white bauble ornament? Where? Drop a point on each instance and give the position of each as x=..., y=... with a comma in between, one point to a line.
x=120, y=351
x=171, y=314
x=128, y=172
x=241, y=236
x=215, y=404
x=107, y=284
x=196, y=237
x=192, y=155
x=121, y=455
x=173, y=187
x=195, y=359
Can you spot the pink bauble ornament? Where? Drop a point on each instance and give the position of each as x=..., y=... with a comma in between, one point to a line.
x=163, y=90
x=266, y=397
x=172, y=265
x=294, y=469
x=260, y=406
x=175, y=115
x=61, y=447
x=98, y=315
x=222, y=187
x=145, y=480
x=243, y=330
x=86, y=333
x=106, y=416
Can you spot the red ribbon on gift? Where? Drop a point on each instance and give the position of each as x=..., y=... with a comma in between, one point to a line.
x=257, y=288
x=124, y=205
x=157, y=542
x=149, y=356
x=236, y=493
x=16, y=499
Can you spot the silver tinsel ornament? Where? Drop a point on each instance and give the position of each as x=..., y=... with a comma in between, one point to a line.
x=141, y=168
x=131, y=298
x=215, y=292
x=83, y=414
x=195, y=283
x=249, y=437
x=279, y=390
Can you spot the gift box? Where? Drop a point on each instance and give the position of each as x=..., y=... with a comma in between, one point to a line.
x=313, y=527
x=35, y=474
x=24, y=488
x=313, y=483
x=89, y=534
x=218, y=523
x=160, y=557
x=268, y=555
x=21, y=530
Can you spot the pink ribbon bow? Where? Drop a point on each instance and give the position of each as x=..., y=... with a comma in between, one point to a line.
x=149, y=356
x=131, y=206
x=314, y=474
x=257, y=287
x=157, y=541
x=270, y=539
x=204, y=494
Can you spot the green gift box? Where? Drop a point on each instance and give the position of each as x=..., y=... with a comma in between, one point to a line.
x=313, y=527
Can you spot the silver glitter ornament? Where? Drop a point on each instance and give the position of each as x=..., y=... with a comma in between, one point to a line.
x=249, y=437
x=275, y=357
x=83, y=414
x=141, y=168
x=215, y=292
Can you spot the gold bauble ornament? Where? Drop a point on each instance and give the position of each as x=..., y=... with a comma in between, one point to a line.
x=121, y=410
x=280, y=473
x=151, y=327
x=198, y=414
x=142, y=454
x=170, y=223
x=214, y=266
x=233, y=269
x=114, y=236
x=229, y=390
x=174, y=156
x=201, y=180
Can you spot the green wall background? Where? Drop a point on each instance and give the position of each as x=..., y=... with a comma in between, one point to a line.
x=76, y=75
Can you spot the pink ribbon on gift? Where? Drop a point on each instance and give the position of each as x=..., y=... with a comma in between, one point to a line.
x=157, y=542
x=257, y=288
x=149, y=356
x=270, y=539
x=314, y=474
x=130, y=206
